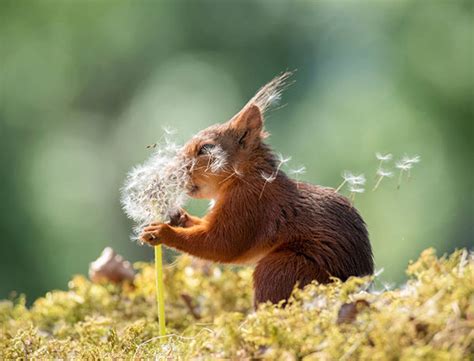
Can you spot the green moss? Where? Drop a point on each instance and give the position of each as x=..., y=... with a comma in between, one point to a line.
x=209, y=314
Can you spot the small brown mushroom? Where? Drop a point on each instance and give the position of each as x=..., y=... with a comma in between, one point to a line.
x=110, y=267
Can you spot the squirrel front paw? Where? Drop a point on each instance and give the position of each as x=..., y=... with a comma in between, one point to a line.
x=153, y=234
x=178, y=218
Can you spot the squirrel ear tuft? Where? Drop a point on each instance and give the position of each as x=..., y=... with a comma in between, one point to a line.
x=249, y=119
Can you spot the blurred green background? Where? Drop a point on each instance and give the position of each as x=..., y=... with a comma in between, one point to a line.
x=86, y=85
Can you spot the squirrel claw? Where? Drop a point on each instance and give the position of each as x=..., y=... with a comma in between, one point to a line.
x=153, y=235
x=150, y=238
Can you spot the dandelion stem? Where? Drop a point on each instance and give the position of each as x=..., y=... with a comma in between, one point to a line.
x=381, y=163
x=160, y=290
x=400, y=179
x=378, y=183
x=340, y=186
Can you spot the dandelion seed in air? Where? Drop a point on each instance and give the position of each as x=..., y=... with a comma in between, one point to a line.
x=352, y=179
x=404, y=167
x=354, y=189
x=169, y=130
x=383, y=158
x=381, y=174
x=269, y=178
x=297, y=173
x=411, y=160
x=282, y=160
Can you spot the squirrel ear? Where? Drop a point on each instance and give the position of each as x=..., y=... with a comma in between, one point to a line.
x=249, y=119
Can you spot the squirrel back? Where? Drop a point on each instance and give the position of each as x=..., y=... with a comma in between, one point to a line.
x=275, y=211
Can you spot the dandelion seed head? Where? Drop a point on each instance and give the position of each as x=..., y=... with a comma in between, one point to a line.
x=411, y=160
x=169, y=130
x=347, y=175
x=403, y=165
x=354, y=189
x=282, y=159
x=353, y=179
x=298, y=171
x=384, y=173
x=383, y=157
x=157, y=187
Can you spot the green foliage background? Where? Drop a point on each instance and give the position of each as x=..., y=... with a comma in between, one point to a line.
x=84, y=86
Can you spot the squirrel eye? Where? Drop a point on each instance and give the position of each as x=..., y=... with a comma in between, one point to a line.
x=205, y=148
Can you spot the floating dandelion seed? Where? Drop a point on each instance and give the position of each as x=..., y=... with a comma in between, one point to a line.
x=297, y=173
x=412, y=160
x=269, y=178
x=384, y=173
x=383, y=158
x=357, y=180
x=345, y=176
x=282, y=160
x=405, y=165
x=352, y=179
x=381, y=173
x=354, y=189
x=169, y=130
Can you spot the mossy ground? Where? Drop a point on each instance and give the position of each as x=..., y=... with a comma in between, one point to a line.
x=210, y=316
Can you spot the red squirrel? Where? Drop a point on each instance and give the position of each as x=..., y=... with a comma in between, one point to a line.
x=294, y=232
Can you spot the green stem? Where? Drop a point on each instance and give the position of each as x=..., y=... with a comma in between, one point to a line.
x=400, y=179
x=340, y=186
x=378, y=183
x=160, y=290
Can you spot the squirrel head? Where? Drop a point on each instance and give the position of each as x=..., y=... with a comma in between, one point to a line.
x=217, y=153
x=222, y=152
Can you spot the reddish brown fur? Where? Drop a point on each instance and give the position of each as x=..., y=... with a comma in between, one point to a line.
x=295, y=232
